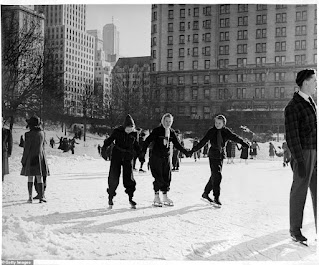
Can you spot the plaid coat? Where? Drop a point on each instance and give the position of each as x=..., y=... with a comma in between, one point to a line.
x=300, y=126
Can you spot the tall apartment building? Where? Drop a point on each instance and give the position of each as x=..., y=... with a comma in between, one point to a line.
x=102, y=76
x=111, y=38
x=66, y=37
x=237, y=59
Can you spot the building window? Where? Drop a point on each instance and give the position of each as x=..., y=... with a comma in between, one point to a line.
x=279, y=76
x=221, y=93
x=194, y=94
x=181, y=65
x=261, y=7
x=154, y=41
x=301, y=30
x=224, y=36
x=193, y=111
x=182, y=26
x=196, y=11
x=281, y=6
x=223, y=63
x=241, y=93
x=224, y=9
x=242, y=34
x=170, y=14
x=195, y=65
x=243, y=21
x=315, y=44
x=301, y=16
x=181, y=95
x=241, y=77
x=153, y=66
x=154, y=54
x=206, y=37
x=181, y=80
x=170, y=40
x=280, y=60
x=242, y=48
x=207, y=93
x=169, y=66
x=260, y=61
x=170, y=27
x=300, y=45
x=181, y=39
x=280, y=46
x=224, y=23
x=195, y=52
x=261, y=19
x=206, y=51
x=207, y=11
x=154, y=15
x=281, y=18
x=181, y=110
x=170, y=53
x=206, y=79
x=224, y=50
x=257, y=92
x=195, y=38
x=261, y=33
x=181, y=52
x=223, y=78
x=207, y=64
x=207, y=24
x=169, y=80
x=194, y=79
x=279, y=92
x=241, y=62
x=206, y=112
x=260, y=77
x=281, y=32
x=260, y=47
x=182, y=13
x=242, y=8
x=300, y=59
x=195, y=25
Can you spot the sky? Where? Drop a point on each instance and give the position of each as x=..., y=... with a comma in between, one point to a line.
x=133, y=21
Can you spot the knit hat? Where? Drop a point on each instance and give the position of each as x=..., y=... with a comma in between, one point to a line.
x=303, y=75
x=221, y=117
x=129, y=122
x=34, y=121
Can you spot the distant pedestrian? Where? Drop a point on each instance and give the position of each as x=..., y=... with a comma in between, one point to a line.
x=287, y=154
x=244, y=153
x=271, y=151
x=52, y=142
x=6, y=149
x=21, y=144
x=33, y=160
x=253, y=149
x=99, y=149
x=141, y=143
x=175, y=157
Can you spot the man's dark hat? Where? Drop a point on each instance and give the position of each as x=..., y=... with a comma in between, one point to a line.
x=303, y=75
x=129, y=122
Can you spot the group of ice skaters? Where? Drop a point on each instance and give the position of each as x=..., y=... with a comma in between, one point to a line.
x=127, y=147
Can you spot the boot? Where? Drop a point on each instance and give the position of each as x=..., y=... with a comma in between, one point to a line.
x=132, y=203
x=40, y=189
x=30, y=186
x=157, y=201
x=36, y=189
x=167, y=201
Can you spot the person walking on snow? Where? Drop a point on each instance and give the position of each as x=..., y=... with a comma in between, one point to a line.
x=123, y=153
x=271, y=151
x=33, y=160
x=160, y=163
x=218, y=135
x=301, y=136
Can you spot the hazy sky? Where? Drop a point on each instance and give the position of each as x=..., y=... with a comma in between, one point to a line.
x=133, y=21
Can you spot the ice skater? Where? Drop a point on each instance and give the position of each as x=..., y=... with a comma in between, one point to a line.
x=218, y=135
x=124, y=150
x=160, y=163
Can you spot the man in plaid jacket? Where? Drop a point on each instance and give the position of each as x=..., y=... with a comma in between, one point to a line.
x=301, y=136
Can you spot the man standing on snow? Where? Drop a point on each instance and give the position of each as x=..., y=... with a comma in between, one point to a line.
x=301, y=136
x=123, y=153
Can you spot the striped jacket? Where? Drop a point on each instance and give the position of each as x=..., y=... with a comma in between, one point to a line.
x=300, y=126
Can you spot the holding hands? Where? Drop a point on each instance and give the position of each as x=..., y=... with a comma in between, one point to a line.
x=245, y=144
x=189, y=153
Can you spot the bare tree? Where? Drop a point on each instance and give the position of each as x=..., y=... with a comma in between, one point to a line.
x=22, y=63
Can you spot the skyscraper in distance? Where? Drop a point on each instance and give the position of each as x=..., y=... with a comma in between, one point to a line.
x=111, y=38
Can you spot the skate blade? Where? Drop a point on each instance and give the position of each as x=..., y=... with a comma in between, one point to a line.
x=211, y=203
x=168, y=204
x=304, y=243
x=110, y=207
x=133, y=207
x=157, y=205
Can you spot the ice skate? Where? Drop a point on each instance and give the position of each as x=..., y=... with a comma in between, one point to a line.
x=142, y=170
x=167, y=201
x=157, y=201
x=206, y=198
x=132, y=203
x=30, y=200
x=216, y=203
x=299, y=238
x=110, y=203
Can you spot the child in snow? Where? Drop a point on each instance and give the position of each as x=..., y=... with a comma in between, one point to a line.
x=160, y=163
x=218, y=136
x=33, y=160
x=123, y=153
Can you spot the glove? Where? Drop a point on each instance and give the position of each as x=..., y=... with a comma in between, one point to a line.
x=189, y=153
x=245, y=144
x=301, y=169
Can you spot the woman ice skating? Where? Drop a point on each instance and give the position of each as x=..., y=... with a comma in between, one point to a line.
x=271, y=151
x=160, y=163
x=244, y=153
x=253, y=148
x=218, y=136
x=33, y=160
x=123, y=153
x=175, y=158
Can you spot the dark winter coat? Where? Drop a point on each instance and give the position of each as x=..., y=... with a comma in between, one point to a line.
x=244, y=152
x=126, y=146
x=228, y=149
x=6, y=150
x=157, y=136
x=211, y=136
x=33, y=160
x=300, y=126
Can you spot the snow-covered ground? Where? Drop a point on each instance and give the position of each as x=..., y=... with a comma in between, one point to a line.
x=252, y=224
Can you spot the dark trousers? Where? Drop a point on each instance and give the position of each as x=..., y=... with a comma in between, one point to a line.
x=175, y=159
x=215, y=179
x=114, y=176
x=161, y=171
x=299, y=189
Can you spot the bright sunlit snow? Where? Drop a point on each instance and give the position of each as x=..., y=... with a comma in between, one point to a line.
x=75, y=224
